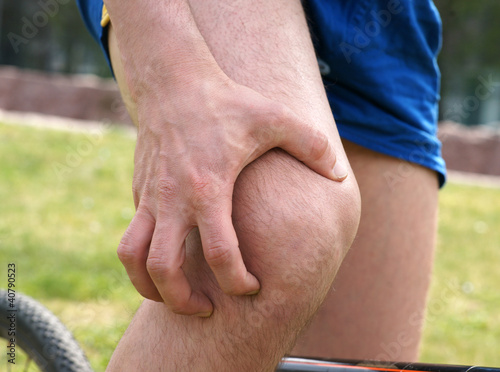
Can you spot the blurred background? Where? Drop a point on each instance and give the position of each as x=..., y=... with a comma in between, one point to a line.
x=66, y=200
x=60, y=42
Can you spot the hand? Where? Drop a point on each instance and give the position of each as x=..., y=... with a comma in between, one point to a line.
x=197, y=130
x=190, y=149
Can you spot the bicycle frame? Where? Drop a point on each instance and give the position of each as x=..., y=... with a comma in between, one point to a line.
x=316, y=365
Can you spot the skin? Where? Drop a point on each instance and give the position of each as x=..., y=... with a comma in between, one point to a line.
x=197, y=129
x=293, y=225
x=376, y=307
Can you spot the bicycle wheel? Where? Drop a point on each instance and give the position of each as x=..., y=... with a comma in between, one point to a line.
x=42, y=342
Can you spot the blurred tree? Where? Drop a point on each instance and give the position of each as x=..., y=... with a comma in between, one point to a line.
x=470, y=55
x=53, y=38
x=471, y=38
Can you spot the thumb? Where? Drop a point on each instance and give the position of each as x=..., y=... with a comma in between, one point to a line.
x=309, y=145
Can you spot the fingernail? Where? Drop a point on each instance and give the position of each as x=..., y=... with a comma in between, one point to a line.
x=204, y=315
x=252, y=293
x=340, y=171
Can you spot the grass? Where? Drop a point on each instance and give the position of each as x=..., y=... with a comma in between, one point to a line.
x=66, y=201
x=463, y=316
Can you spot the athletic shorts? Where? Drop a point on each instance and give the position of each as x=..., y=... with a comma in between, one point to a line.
x=378, y=59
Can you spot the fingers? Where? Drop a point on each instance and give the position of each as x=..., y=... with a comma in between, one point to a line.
x=153, y=252
x=164, y=265
x=306, y=143
x=133, y=253
x=153, y=256
x=222, y=253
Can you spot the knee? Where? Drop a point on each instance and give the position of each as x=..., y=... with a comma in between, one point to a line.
x=294, y=228
x=281, y=203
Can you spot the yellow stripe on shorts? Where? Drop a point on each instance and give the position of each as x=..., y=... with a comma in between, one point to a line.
x=104, y=17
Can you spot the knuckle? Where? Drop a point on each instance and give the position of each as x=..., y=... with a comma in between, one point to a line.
x=217, y=253
x=204, y=190
x=278, y=115
x=137, y=186
x=141, y=190
x=157, y=267
x=136, y=192
x=267, y=135
x=166, y=190
x=201, y=187
x=278, y=110
x=319, y=145
x=126, y=251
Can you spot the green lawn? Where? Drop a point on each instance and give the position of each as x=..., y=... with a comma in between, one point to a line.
x=463, y=324
x=65, y=201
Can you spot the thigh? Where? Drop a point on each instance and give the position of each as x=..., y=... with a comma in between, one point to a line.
x=375, y=307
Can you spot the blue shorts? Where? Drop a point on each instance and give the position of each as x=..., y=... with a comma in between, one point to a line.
x=378, y=59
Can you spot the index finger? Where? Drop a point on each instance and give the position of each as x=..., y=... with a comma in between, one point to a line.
x=164, y=264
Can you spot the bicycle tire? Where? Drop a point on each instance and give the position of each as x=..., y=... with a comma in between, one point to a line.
x=42, y=336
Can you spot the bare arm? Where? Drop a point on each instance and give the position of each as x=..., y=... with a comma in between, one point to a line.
x=197, y=130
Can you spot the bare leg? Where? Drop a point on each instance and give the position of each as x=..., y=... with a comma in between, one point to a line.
x=375, y=308
x=293, y=225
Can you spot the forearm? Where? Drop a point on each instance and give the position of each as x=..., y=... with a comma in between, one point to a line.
x=160, y=45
